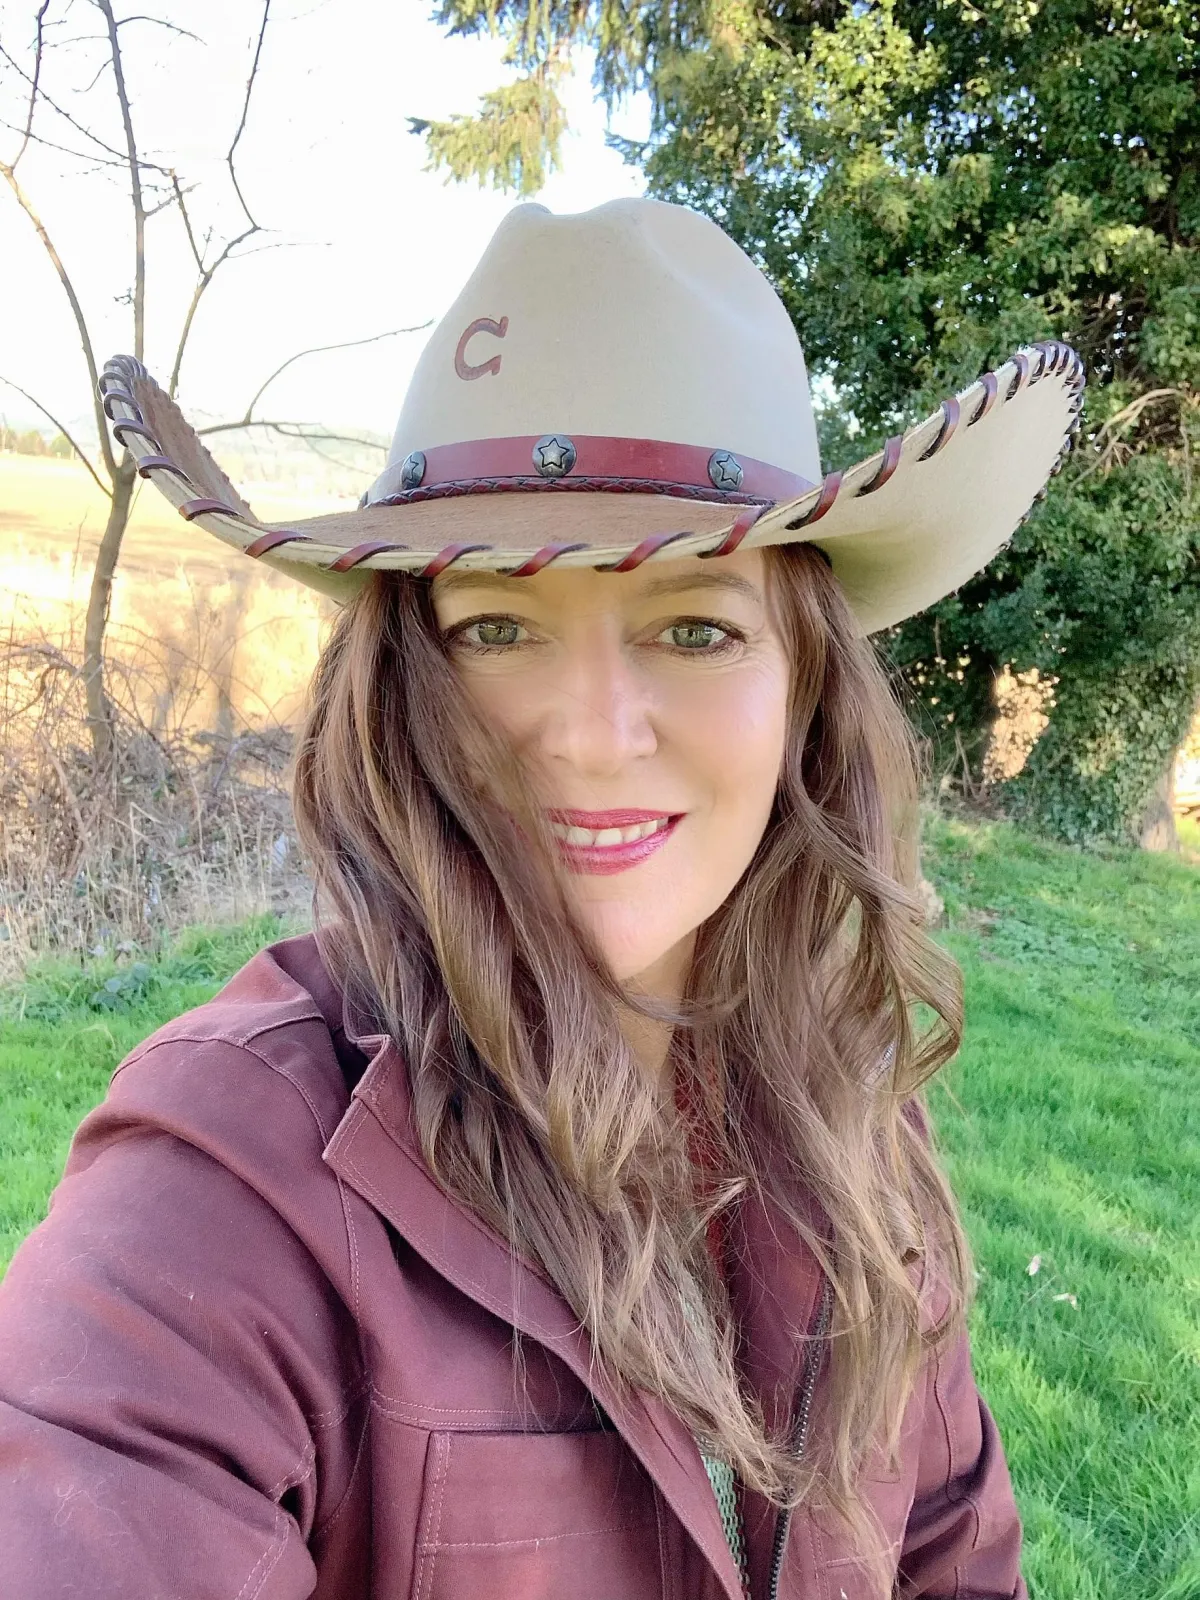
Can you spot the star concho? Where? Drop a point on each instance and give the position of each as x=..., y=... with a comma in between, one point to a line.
x=412, y=470
x=725, y=470
x=553, y=455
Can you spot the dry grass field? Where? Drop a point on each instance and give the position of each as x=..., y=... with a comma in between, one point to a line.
x=237, y=640
x=208, y=660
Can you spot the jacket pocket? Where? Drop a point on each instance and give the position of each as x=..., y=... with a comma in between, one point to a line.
x=536, y=1516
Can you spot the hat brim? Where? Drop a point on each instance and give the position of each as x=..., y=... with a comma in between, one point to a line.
x=902, y=528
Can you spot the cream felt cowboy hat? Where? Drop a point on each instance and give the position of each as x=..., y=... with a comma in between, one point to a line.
x=624, y=385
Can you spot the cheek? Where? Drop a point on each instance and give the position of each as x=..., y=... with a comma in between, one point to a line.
x=734, y=728
x=493, y=694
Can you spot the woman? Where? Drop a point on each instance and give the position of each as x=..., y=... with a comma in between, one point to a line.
x=560, y=1218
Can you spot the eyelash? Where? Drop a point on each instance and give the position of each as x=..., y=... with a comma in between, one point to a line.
x=456, y=636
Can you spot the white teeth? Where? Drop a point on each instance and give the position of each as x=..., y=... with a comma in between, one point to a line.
x=600, y=838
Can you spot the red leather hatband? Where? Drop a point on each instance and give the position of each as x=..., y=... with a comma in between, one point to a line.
x=647, y=466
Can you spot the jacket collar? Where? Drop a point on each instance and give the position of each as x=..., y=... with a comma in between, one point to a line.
x=774, y=1280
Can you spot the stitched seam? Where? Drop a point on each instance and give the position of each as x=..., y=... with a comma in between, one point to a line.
x=293, y=1479
x=339, y=1413
x=532, y=1542
x=352, y=1242
x=277, y=1545
x=322, y=1528
x=239, y=1041
x=401, y=1410
x=425, y=1545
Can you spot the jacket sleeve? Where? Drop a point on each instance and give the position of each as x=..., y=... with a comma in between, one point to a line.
x=166, y=1344
x=964, y=1534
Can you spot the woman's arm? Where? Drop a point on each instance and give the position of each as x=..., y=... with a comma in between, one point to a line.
x=172, y=1363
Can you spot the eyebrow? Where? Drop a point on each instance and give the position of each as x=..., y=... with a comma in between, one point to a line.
x=730, y=581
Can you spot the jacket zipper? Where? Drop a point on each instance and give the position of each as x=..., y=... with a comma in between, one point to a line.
x=800, y=1431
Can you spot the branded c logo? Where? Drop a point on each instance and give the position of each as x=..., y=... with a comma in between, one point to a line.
x=481, y=325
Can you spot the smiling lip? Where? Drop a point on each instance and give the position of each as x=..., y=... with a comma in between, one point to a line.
x=608, y=858
x=606, y=819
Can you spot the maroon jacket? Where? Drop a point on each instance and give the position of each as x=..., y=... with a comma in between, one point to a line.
x=256, y=1353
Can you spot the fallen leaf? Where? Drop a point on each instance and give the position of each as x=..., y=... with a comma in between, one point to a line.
x=1034, y=1267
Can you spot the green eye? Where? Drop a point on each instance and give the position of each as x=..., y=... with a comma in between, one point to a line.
x=695, y=635
x=499, y=631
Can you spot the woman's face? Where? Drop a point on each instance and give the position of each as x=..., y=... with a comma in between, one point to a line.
x=649, y=710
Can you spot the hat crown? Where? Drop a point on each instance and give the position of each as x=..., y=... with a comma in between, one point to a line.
x=635, y=320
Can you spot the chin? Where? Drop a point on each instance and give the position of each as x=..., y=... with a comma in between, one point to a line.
x=629, y=939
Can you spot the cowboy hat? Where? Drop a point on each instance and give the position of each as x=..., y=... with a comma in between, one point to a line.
x=624, y=385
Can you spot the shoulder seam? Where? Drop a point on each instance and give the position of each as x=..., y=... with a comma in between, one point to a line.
x=239, y=1041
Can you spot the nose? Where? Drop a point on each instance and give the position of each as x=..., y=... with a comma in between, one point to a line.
x=597, y=718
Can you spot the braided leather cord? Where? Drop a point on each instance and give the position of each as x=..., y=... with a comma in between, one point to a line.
x=530, y=485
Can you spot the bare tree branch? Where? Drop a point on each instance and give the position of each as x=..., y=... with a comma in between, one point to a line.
x=166, y=202
x=202, y=283
x=207, y=271
x=33, y=87
x=96, y=162
x=87, y=133
x=85, y=338
x=241, y=127
x=135, y=180
x=160, y=22
x=74, y=443
x=321, y=349
x=297, y=433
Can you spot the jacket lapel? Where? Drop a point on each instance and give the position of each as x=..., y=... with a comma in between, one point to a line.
x=375, y=1150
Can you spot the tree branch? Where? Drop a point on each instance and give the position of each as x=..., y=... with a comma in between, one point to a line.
x=179, y=193
x=74, y=443
x=202, y=283
x=322, y=349
x=97, y=162
x=160, y=22
x=135, y=180
x=73, y=122
x=241, y=127
x=85, y=339
x=38, y=49
x=1111, y=430
x=282, y=427
x=207, y=272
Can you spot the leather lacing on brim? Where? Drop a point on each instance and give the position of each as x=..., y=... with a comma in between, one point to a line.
x=1046, y=359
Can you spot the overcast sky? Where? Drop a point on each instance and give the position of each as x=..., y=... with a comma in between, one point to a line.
x=369, y=240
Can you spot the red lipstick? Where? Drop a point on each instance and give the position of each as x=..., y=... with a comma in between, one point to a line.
x=606, y=819
x=609, y=858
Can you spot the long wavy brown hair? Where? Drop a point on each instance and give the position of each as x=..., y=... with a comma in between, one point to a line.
x=825, y=1006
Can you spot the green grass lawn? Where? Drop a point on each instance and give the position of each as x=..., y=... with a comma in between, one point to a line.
x=1071, y=1125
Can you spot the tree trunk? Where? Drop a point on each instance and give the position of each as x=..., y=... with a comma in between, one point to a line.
x=99, y=708
x=1158, y=830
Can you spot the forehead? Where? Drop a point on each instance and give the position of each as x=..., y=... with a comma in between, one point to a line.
x=739, y=578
